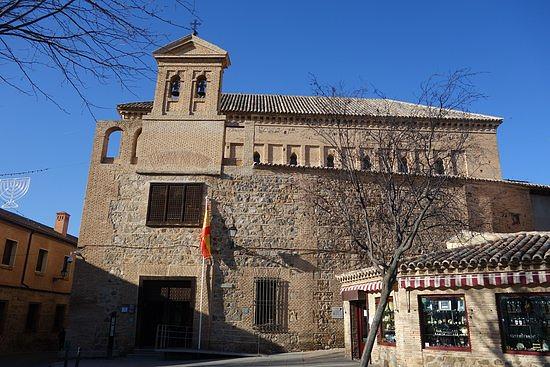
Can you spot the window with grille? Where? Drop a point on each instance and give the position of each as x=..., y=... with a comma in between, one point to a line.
x=8, y=257
x=175, y=204
x=271, y=304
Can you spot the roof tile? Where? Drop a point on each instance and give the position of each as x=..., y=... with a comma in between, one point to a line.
x=319, y=105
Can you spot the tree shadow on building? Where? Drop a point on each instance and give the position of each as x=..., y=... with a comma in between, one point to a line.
x=106, y=317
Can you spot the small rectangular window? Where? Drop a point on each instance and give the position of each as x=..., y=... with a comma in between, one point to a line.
x=66, y=264
x=175, y=204
x=386, y=333
x=33, y=314
x=3, y=314
x=444, y=322
x=271, y=304
x=41, y=261
x=525, y=322
x=59, y=317
x=8, y=257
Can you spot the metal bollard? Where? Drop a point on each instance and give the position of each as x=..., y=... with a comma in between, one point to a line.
x=77, y=357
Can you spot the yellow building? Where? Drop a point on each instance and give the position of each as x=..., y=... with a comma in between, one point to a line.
x=36, y=276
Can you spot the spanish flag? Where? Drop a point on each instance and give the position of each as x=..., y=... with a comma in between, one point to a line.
x=205, y=234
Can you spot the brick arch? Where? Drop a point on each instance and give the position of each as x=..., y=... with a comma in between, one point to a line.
x=135, y=141
x=106, y=156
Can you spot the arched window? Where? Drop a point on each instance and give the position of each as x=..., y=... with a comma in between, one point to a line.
x=293, y=159
x=439, y=168
x=365, y=163
x=175, y=85
x=330, y=161
x=256, y=157
x=402, y=165
x=135, y=146
x=201, y=86
x=111, y=145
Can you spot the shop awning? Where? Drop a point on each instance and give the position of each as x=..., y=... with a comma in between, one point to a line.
x=475, y=280
x=371, y=287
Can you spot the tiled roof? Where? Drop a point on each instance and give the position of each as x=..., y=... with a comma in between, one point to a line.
x=317, y=105
x=503, y=250
x=36, y=226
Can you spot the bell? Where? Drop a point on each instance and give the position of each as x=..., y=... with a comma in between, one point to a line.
x=201, y=88
x=175, y=90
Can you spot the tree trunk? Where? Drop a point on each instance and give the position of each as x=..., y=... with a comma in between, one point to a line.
x=387, y=285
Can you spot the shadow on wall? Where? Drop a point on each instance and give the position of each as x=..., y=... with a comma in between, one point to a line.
x=110, y=316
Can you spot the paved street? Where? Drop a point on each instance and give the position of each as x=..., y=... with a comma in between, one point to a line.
x=328, y=358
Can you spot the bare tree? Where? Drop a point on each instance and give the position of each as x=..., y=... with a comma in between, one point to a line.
x=109, y=40
x=397, y=187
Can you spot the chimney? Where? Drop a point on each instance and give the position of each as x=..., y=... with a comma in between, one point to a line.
x=62, y=223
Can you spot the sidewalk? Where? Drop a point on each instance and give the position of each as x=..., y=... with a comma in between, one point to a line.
x=323, y=358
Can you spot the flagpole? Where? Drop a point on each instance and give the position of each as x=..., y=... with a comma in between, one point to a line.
x=202, y=288
x=200, y=303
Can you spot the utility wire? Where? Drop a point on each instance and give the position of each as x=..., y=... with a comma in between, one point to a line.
x=30, y=172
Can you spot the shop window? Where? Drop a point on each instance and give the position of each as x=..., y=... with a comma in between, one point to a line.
x=3, y=314
x=293, y=159
x=256, y=157
x=525, y=322
x=8, y=257
x=59, y=317
x=444, y=322
x=41, y=261
x=175, y=204
x=386, y=333
x=33, y=314
x=270, y=304
x=330, y=161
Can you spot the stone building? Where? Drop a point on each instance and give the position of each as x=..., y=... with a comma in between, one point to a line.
x=271, y=284
x=36, y=276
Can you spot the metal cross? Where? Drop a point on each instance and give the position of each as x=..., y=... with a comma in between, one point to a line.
x=194, y=24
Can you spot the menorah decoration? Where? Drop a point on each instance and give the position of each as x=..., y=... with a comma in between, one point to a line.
x=12, y=189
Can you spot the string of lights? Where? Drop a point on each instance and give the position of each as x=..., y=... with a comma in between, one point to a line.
x=40, y=170
x=24, y=172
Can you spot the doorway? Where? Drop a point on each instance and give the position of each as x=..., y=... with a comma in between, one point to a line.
x=360, y=326
x=165, y=306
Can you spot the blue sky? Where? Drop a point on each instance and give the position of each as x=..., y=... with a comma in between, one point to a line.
x=275, y=45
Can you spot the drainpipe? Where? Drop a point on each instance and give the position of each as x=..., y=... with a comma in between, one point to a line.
x=26, y=261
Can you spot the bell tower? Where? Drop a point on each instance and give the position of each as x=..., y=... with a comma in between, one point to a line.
x=184, y=132
x=190, y=72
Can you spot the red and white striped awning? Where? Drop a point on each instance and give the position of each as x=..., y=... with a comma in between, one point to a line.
x=371, y=287
x=475, y=280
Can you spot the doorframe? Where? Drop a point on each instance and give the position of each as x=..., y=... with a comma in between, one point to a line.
x=362, y=322
x=140, y=292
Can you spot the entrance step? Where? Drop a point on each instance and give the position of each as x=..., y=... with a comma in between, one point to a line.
x=146, y=353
